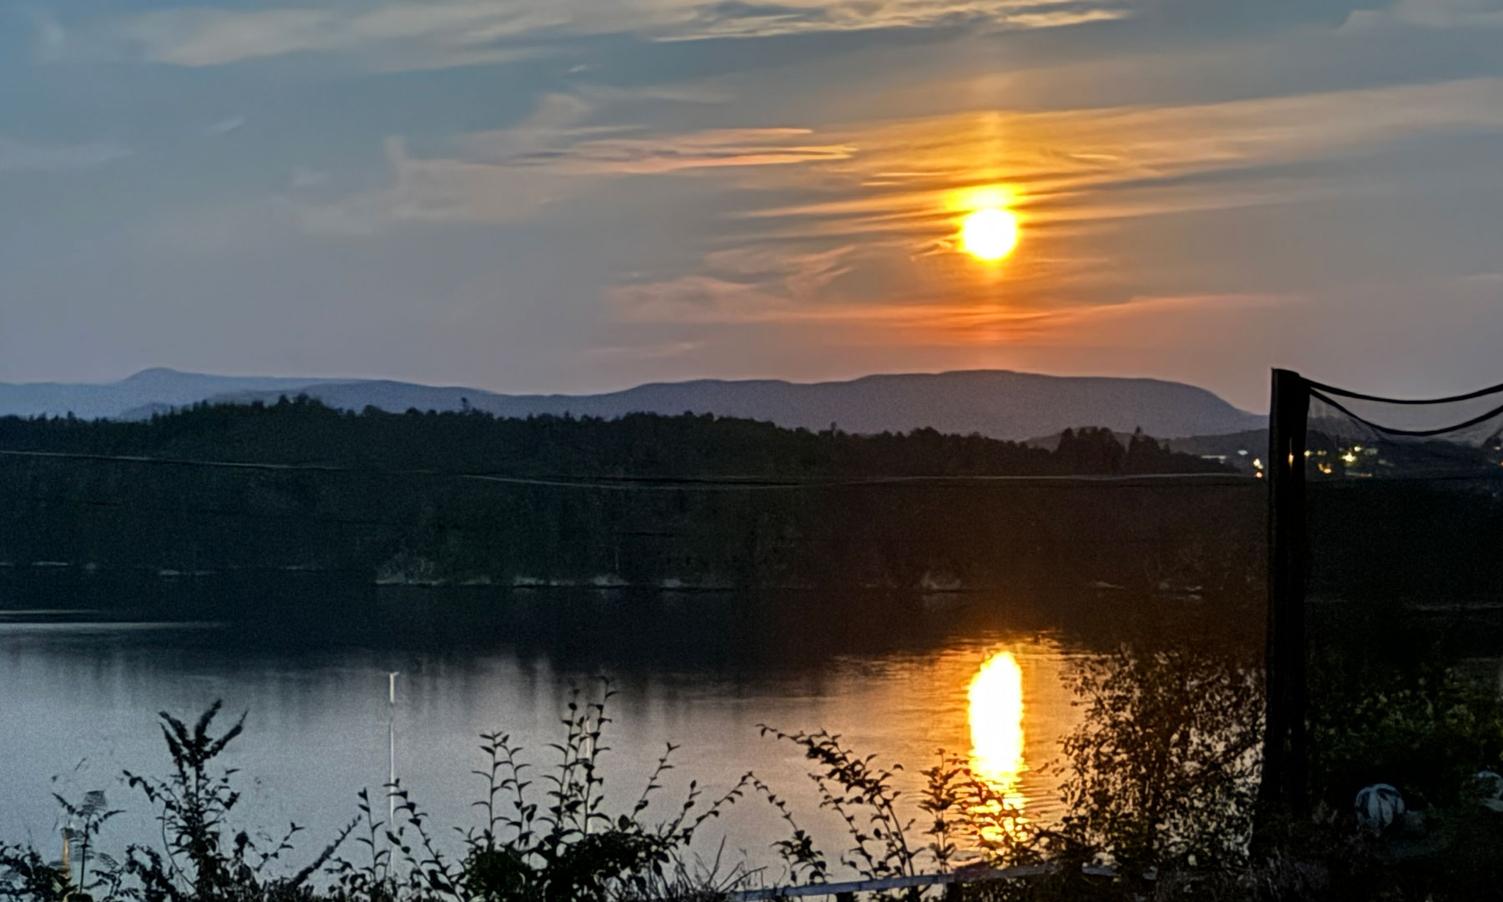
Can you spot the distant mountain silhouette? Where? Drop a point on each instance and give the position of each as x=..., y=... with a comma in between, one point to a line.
x=995, y=403
x=148, y=391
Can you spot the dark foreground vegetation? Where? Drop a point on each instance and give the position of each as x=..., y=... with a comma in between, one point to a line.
x=1159, y=785
x=692, y=501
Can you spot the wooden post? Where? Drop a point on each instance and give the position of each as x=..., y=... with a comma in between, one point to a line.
x=1285, y=755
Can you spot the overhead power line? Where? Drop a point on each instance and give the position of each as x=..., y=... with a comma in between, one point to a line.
x=652, y=483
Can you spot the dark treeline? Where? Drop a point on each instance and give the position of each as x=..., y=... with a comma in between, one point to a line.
x=304, y=431
x=395, y=510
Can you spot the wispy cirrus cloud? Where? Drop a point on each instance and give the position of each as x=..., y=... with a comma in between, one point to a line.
x=873, y=231
x=399, y=36
x=511, y=174
x=1432, y=14
x=25, y=156
x=690, y=20
x=740, y=285
x=710, y=303
x=406, y=33
x=889, y=189
x=662, y=154
x=224, y=126
x=1084, y=170
x=49, y=38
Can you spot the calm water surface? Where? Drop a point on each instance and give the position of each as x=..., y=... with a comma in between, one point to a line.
x=85, y=666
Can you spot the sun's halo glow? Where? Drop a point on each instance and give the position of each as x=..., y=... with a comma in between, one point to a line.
x=989, y=233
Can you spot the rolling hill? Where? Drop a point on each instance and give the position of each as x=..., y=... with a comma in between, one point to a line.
x=996, y=403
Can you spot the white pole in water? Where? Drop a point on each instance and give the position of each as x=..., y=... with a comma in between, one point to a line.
x=67, y=855
x=391, y=742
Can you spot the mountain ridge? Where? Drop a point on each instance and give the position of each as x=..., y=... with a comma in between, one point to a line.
x=1004, y=404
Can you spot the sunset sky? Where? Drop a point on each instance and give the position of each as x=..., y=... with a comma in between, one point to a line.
x=576, y=195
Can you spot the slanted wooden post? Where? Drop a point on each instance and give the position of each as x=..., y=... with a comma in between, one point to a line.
x=1285, y=753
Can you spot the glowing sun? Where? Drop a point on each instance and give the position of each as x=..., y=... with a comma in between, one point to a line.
x=989, y=233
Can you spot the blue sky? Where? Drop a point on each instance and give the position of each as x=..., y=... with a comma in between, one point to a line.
x=584, y=194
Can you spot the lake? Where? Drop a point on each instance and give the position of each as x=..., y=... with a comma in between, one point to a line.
x=86, y=662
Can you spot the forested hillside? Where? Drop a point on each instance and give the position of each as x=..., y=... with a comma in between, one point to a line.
x=644, y=500
x=304, y=431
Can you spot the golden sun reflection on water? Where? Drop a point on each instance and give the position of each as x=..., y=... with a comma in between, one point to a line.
x=996, y=716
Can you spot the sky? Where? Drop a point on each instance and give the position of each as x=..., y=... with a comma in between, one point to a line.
x=579, y=195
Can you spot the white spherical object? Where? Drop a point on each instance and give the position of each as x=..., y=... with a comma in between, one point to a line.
x=1378, y=807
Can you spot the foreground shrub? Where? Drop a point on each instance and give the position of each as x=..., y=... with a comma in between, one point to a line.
x=1163, y=771
x=1426, y=732
x=544, y=840
x=1159, y=783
